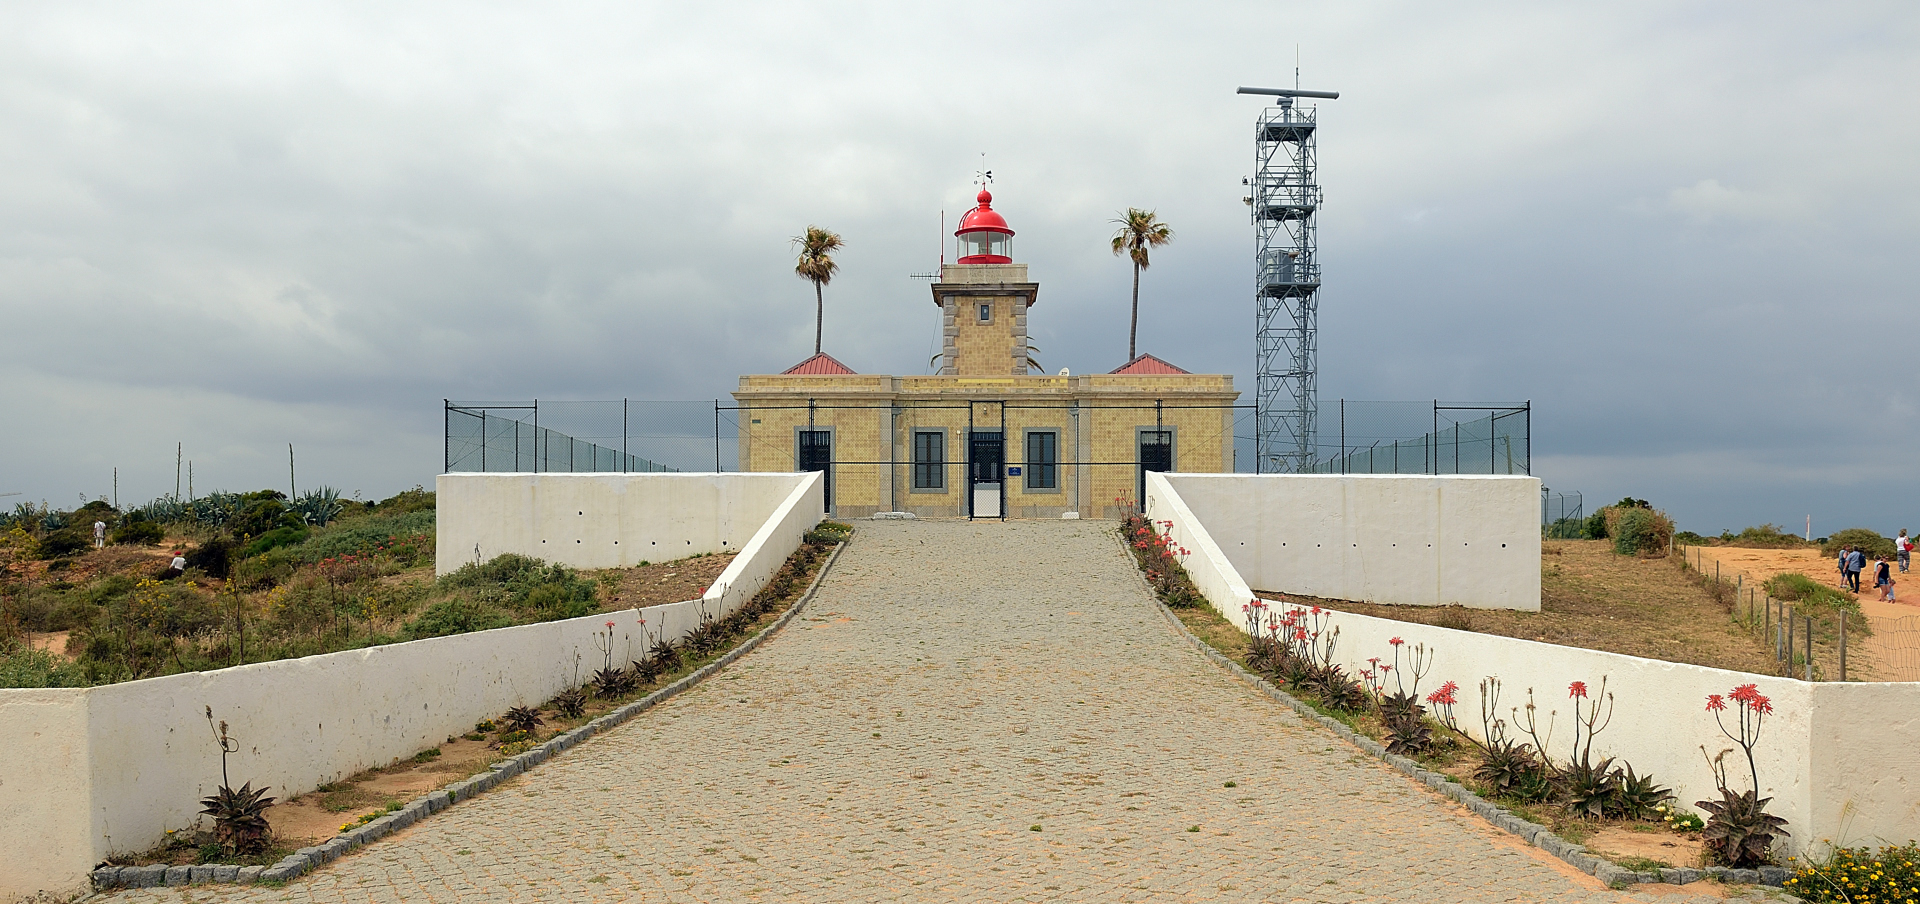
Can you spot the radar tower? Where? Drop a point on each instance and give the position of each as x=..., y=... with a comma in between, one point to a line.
x=1284, y=196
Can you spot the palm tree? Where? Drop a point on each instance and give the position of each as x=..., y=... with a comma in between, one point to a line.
x=817, y=266
x=1139, y=231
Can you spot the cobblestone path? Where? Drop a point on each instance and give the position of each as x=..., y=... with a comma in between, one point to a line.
x=990, y=712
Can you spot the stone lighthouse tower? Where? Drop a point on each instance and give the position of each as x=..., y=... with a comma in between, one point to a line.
x=983, y=299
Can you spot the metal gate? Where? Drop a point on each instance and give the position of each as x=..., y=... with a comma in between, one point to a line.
x=1156, y=454
x=816, y=454
x=987, y=474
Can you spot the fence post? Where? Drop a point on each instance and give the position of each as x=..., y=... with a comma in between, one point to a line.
x=1788, y=618
x=1809, y=648
x=1843, y=646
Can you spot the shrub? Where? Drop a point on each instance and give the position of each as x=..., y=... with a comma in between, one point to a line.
x=1597, y=525
x=214, y=556
x=1865, y=539
x=1639, y=530
x=418, y=499
x=285, y=535
x=39, y=668
x=1765, y=536
x=1811, y=597
x=368, y=534
x=524, y=584
x=455, y=615
x=140, y=533
x=66, y=541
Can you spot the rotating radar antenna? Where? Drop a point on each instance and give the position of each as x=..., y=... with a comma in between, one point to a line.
x=1283, y=197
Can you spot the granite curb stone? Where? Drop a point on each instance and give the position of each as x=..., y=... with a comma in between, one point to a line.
x=299, y=862
x=1535, y=834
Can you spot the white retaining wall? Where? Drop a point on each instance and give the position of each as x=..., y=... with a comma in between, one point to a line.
x=96, y=771
x=606, y=520
x=1470, y=540
x=1841, y=761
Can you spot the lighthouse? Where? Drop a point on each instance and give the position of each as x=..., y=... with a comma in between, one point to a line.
x=983, y=299
x=986, y=435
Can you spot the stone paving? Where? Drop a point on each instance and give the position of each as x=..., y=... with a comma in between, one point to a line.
x=967, y=712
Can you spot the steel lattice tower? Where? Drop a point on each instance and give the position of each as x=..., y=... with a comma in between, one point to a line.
x=1284, y=197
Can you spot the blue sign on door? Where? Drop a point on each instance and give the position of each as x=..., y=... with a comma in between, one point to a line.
x=1013, y=471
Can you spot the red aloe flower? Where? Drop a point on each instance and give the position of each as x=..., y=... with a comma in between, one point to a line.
x=1577, y=689
x=1444, y=696
x=1395, y=641
x=609, y=624
x=1716, y=703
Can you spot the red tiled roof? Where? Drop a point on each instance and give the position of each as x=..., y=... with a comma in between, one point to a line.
x=822, y=364
x=1147, y=365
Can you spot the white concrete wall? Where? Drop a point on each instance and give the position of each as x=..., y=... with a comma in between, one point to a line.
x=97, y=771
x=1659, y=723
x=1841, y=761
x=603, y=520
x=1865, y=755
x=46, y=801
x=1402, y=539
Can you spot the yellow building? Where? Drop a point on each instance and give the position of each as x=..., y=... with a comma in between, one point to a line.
x=985, y=437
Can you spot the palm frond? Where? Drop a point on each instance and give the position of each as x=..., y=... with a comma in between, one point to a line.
x=1139, y=231
x=815, y=263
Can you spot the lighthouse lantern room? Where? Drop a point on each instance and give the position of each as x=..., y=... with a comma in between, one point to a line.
x=983, y=236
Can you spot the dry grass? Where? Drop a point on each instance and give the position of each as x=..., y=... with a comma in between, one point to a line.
x=655, y=585
x=1594, y=599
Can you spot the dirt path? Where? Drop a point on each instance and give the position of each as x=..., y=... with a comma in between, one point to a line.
x=1887, y=655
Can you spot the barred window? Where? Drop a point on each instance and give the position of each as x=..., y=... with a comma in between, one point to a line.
x=1043, y=460
x=929, y=460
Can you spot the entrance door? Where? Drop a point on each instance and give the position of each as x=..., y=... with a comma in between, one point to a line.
x=816, y=454
x=1156, y=454
x=987, y=474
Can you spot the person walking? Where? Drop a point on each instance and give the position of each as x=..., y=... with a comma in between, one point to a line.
x=1903, y=549
x=99, y=534
x=1856, y=563
x=1882, y=576
x=1840, y=564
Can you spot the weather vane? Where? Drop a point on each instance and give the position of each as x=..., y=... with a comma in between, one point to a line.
x=984, y=176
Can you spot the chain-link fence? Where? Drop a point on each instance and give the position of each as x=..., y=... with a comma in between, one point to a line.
x=951, y=456
x=1562, y=515
x=1425, y=438
x=545, y=437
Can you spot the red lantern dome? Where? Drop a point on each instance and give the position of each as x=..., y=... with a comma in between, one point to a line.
x=983, y=235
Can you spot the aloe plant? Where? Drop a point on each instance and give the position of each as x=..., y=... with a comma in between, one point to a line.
x=239, y=818
x=523, y=718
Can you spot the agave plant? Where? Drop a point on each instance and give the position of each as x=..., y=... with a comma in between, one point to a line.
x=318, y=507
x=571, y=703
x=1740, y=832
x=239, y=818
x=523, y=718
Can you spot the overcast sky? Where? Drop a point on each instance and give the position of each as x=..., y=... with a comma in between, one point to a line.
x=1684, y=231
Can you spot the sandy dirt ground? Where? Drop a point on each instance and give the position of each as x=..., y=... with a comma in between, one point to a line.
x=1886, y=658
